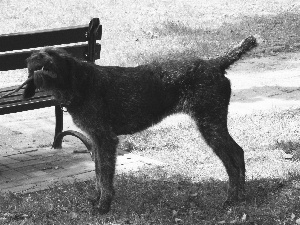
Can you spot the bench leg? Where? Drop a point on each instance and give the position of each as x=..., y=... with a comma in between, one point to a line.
x=59, y=133
x=58, y=126
x=80, y=136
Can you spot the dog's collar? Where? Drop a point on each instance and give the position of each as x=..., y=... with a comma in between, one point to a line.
x=63, y=107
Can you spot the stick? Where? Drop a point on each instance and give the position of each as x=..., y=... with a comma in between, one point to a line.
x=18, y=88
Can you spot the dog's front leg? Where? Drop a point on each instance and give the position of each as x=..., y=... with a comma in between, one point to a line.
x=105, y=162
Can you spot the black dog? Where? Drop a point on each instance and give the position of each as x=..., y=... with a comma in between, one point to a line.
x=109, y=101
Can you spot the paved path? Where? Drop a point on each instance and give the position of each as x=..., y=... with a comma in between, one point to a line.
x=264, y=84
x=27, y=164
x=34, y=169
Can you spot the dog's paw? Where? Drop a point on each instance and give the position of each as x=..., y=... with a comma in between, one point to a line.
x=93, y=199
x=230, y=202
x=102, y=208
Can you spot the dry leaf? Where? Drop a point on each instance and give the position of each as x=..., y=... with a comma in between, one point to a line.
x=233, y=221
x=174, y=213
x=73, y=215
x=293, y=216
x=178, y=220
x=245, y=217
x=194, y=195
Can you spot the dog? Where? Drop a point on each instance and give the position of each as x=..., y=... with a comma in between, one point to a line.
x=107, y=101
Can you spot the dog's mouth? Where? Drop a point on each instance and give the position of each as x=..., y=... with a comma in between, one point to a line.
x=43, y=72
x=40, y=78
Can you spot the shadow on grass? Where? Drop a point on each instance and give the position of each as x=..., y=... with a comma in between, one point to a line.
x=280, y=33
x=289, y=147
x=141, y=200
x=274, y=29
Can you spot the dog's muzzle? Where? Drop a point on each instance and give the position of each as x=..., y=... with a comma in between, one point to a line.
x=40, y=77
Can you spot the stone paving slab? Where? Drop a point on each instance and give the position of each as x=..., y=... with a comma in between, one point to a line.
x=28, y=164
x=35, y=169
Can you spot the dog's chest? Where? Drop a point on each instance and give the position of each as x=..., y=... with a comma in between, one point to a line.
x=86, y=117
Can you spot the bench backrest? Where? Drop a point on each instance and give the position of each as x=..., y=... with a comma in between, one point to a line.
x=16, y=48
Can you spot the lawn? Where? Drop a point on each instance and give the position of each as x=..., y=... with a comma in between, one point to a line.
x=192, y=185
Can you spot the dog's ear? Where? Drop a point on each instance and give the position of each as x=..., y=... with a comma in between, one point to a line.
x=29, y=90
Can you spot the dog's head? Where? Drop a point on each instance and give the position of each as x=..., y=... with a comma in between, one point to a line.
x=48, y=69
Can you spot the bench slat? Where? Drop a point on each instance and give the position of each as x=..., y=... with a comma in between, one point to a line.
x=18, y=41
x=16, y=98
x=26, y=105
x=17, y=60
x=15, y=103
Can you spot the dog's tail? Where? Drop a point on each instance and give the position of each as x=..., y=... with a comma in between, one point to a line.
x=235, y=54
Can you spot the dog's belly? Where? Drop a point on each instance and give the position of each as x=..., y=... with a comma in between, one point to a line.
x=133, y=126
x=134, y=117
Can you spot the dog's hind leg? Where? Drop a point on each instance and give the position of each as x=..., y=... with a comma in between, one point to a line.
x=215, y=132
x=231, y=155
x=105, y=161
x=210, y=113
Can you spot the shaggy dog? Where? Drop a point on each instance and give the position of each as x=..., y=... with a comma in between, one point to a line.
x=107, y=101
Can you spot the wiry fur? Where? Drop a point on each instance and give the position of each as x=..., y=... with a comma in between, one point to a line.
x=107, y=101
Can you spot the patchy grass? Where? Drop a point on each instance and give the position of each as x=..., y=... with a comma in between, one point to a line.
x=137, y=31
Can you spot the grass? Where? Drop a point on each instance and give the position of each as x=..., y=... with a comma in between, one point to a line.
x=192, y=186
x=137, y=31
x=141, y=200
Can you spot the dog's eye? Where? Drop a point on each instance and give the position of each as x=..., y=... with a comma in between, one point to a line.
x=37, y=57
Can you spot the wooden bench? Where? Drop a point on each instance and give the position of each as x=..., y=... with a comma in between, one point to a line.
x=80, y=41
